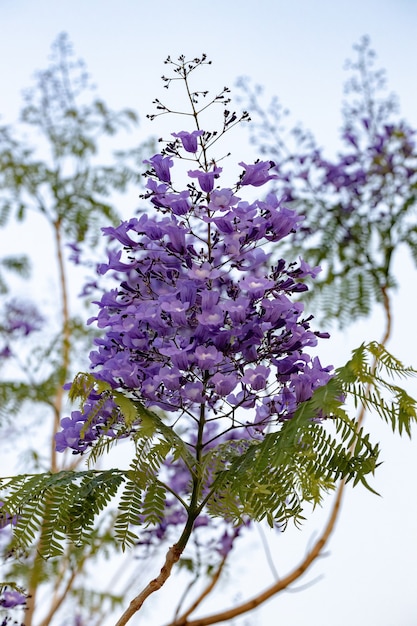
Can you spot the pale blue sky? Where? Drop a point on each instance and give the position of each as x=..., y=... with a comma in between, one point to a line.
x=297, y=51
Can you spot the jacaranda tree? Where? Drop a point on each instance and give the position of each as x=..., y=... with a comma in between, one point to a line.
x=204, y=371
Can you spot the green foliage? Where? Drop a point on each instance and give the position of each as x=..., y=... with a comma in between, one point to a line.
x=344, y=295
x=43, y=372
x=58, y=506
x=274, y=478
x=130, y=508
x=97, y=603
x=305, y=458
x=147, y=423
x=367, y=384
x=71, y=188
x=12, y=396
x=268, y=479
x=143, y=498
x=64, y=506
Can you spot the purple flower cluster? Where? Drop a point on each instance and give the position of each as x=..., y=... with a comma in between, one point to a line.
x=21, y=318
x=202, y=316
x=81, y=429
x=365, y=175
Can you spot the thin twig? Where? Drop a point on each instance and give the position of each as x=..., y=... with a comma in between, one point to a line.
x=66, y=337
x=58, y=600
x=184, y=595
x=57, y=409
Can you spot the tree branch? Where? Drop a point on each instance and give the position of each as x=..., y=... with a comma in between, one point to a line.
x=171, y=558
x=279, y=585
x=58, y=600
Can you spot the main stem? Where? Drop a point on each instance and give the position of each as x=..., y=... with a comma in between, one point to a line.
x=174, y=553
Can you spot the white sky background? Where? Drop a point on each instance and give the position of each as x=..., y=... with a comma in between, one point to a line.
x=296, y=49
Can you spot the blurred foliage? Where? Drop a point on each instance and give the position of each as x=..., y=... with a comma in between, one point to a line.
x=360, y=206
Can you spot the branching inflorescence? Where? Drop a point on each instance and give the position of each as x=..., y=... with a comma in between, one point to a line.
x=204, y=323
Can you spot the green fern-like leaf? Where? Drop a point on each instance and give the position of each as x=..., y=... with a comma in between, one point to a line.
x=130, y=508
x=143, y=497
x=367, y=378
x=56, y=507
x=274, y=478
x=154, y=503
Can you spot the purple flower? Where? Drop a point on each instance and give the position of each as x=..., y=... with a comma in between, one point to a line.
x=162, y=166
x=205, y=179
x=12, y=598
x=5, y=352
x=21, y=318
x=6, y=519
x=70, y=435
x=204, y=272
x=207, y=357
x=114, y=263
x=75, y=255
x=81, y=429
x=256, y=286
x=256, y=377
x=189, y=140
x=222, y=199
x=257, y=174
x=224, y=384
x=193, y=392
x=170, y=377
x=306, y=270
x=226, y=541
x=179, y=203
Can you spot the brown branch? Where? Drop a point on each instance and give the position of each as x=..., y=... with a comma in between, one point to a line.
x=387, y=308
x=184, y=595
x=171, y=558
x=279, y=585
x=386, y=303
x=57, y=409
x=58, y=600
x=267, y=552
